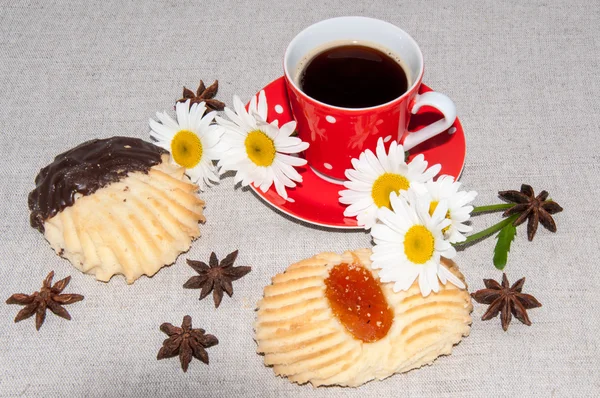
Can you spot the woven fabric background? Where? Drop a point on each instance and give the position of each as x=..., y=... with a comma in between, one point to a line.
x=525, y=76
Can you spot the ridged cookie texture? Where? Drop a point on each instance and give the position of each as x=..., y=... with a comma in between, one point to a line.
x=131, y=227
x=303, y=340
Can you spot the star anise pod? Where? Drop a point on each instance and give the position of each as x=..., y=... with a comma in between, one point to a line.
x=48, y=297
x=185, y=342
x=535, y=208
x=215, y=277
x=507, y=300
x=203, y=94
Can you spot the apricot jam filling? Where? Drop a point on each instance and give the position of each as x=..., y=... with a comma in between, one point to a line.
x=357, y=301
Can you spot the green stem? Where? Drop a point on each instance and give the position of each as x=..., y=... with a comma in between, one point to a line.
x=489, y=231
x=498, y=207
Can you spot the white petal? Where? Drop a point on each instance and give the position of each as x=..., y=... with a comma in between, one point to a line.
x=204, y=122
x=467, y=198
x=417, y=165
x=165, y=145
x=367, y=218
x=384, y=233
x=439, y=214
x=167, y=121
x=239, y=176
x=373, y=162
x=160, y=132
x=291, y=160
x=262, y=105
x=280, y=188
x=382, y=156
x=463, y=228
x=288, y=128
x=279, y=175
x=451, y=277
x=288, y=170
x=456, y=237
x=441, y=245
x=252, y=107
x=357, y=207
x=394, y=158
x=431, y=172
x=408, y=279
x=182, y=111
x=388, y=258
x=247, y=119
x=423, y=284
x=449, y=253
x=354, y=175
x=358, y=186
x=297, y=147
x=234, y=120
x=268, y=174
x=432, y=277
x=348, y=196
x=364, y=167
x=393, y=220
x=403, y=209
x=194, y=117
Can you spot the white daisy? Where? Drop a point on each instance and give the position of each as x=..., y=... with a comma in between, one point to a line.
x=193, y=142
x=445, y=188
x=259, y=152
x=409, y=243
x=373, y=178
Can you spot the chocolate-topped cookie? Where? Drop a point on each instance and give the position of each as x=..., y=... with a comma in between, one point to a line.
x=85, y=169
x=116, y=206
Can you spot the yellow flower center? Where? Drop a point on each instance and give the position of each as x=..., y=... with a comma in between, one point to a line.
x=260, y=148
x=186, y=149
x=432, y=207
x=386, y=184
x=418, y=244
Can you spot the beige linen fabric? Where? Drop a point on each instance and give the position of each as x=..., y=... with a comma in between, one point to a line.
x=525, y=77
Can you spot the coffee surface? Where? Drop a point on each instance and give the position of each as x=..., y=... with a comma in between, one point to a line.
x=353, y=76
x=85, y=169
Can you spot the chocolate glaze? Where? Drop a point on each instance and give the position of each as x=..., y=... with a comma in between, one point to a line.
x=85, y=169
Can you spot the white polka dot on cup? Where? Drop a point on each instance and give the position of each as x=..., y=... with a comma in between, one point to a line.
x=330, y=119
x=387, y=139
x=279, y=109
x=327, y=166
x=452, y=130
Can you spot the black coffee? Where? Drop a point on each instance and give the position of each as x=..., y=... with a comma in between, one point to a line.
x=353, y=76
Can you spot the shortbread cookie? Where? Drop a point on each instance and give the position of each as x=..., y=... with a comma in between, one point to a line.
x=116, y=206
x=319, y=323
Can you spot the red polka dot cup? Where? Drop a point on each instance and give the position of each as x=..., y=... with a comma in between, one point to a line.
x=336, y=134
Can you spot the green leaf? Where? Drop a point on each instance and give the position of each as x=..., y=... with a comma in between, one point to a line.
x=505, y=238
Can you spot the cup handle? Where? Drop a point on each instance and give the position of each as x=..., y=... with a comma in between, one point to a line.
x=438, y=101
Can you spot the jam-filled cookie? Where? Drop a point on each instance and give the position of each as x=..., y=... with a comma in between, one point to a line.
x=116, y=206
x=328, y=320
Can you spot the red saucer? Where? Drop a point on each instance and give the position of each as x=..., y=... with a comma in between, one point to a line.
x=315, y=200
